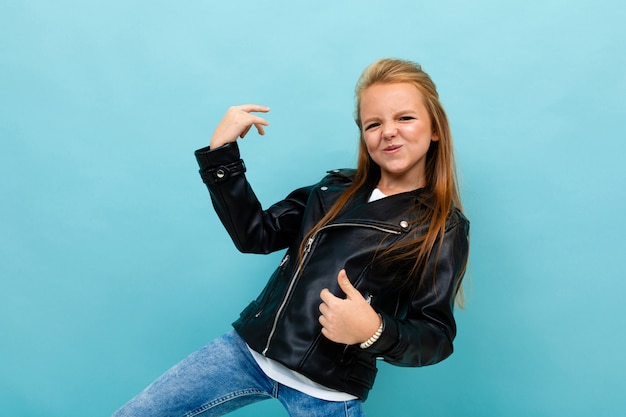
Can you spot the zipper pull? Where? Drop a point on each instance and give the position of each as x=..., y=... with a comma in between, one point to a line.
x=309, y=243
x=369, y=298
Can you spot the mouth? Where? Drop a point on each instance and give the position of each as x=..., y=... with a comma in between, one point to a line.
x=391, y=148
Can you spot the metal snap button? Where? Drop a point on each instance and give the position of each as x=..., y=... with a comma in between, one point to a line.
x=220, y=173
x=404, y=224
x=324, y=188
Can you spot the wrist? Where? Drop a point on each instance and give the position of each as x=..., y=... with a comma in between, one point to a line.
x=369, y=342
x=216, y=143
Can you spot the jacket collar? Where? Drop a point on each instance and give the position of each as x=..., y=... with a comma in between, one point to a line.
x=386, y=210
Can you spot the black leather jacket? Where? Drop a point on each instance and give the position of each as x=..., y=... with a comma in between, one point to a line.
x=282, y=323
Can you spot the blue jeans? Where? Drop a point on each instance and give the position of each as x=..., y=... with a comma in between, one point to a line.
x=220, y=378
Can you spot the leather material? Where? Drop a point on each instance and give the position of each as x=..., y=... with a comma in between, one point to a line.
x=281, y=323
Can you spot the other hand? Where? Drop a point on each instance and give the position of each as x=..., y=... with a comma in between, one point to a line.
x=237, y=122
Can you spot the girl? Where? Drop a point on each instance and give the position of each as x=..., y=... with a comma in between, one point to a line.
x=374, y=262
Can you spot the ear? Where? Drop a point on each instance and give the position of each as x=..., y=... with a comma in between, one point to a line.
x=434, y=137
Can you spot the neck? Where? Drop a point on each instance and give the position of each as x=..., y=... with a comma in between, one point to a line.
x=390, y=187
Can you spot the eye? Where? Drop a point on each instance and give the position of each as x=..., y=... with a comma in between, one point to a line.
x=372, y=125
x=405, y=118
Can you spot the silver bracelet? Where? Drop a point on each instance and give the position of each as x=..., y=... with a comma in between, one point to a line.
x=369, y=342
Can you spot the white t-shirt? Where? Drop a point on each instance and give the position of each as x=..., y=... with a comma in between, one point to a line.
x=281, y=374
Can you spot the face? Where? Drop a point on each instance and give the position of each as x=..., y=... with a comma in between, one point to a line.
x=397, y=130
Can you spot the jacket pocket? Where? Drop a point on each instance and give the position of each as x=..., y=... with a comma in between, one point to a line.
x=249, y=311
x=273, y=284
x=362, y=372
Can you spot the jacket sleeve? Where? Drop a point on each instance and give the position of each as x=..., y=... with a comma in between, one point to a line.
x=425, y=336
x=252, y=229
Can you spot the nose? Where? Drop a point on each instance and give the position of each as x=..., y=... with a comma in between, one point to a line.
x=389, y=131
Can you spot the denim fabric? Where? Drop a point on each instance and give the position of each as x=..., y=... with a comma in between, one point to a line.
x=220, y=378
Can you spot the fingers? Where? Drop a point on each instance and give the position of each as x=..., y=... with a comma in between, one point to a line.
x=325, y=308
x=326, y=321
x=323, y=319
x=346, y=286
x=327, y=296
x=245, y=132
x=237, y=123
x=259, y=128
x=248, y=108
x=350, y=320
x=257, y=121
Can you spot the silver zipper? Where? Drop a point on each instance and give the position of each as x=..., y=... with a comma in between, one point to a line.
x=370, y=226
x=307, y=249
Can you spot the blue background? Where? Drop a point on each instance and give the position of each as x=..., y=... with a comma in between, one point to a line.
x=114, y=266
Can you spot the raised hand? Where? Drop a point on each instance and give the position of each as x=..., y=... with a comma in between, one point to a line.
x=237, y=122
x=347, y=320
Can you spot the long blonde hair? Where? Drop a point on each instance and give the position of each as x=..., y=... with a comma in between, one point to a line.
x=441, y=181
